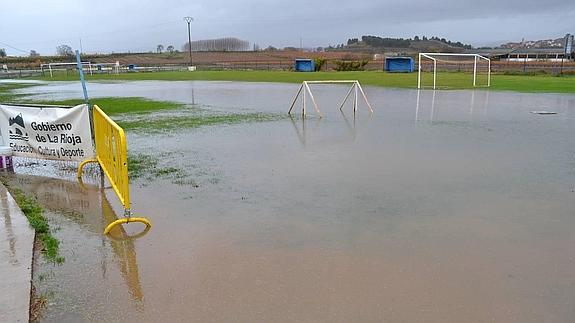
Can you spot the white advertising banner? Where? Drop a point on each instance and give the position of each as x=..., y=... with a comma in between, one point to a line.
x=47, y=133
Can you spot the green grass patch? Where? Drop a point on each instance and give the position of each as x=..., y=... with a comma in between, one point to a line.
x=140, y=164
x=146, y=166
x=454, y=80
x=163, y=124
x=110, y=105
x=149, y=168
x=35, y=215
x=117, y=105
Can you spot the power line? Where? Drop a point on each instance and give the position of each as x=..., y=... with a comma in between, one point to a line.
x=18, y=49
x=87, y=36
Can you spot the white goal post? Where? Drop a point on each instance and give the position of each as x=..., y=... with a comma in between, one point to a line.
x=304, y=89
x=435, y=57
x=59, y=66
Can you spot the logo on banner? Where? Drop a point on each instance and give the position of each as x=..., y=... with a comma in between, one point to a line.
x=18, y=133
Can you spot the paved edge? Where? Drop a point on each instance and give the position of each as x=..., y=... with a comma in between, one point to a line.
x=16, y=256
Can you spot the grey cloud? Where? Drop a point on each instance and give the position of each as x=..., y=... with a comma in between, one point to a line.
x=107, y=25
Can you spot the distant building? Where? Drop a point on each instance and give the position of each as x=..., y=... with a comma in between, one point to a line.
x=526, y=54
x=557, y=50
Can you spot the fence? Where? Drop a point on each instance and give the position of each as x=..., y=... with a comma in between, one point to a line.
x=502, y=67
x=11, y=74
x=526, y=67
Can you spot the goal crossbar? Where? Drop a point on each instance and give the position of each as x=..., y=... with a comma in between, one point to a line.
x=476, y=58
x=304, y=90
x=50, y=65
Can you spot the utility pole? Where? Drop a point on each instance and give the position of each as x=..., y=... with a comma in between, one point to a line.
x=189, y=21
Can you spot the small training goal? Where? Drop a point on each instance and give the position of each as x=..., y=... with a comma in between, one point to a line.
x=305, y=90
x=451, y=70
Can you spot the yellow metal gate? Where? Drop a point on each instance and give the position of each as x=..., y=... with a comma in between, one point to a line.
x=112, y=156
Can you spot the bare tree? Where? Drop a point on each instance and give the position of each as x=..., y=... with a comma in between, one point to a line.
x=160, y=48
x=34, y=53
x=64, y=50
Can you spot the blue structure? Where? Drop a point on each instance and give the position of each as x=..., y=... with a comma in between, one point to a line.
x=304, y=65
x=399, y=64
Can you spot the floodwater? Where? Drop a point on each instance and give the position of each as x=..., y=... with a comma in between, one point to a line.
x=452, y=206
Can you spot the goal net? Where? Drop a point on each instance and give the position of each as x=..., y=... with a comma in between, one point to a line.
x=449, y=70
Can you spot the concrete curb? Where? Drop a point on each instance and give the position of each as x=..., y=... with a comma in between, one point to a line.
x=16, y=253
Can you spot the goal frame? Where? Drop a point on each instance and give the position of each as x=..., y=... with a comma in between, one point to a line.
x=476, y=58
x=54, y=66
x=304, y=89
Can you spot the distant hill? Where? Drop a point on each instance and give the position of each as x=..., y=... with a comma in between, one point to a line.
x=377, y=44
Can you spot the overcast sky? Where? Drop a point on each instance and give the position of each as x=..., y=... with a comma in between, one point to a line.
x=140, y=25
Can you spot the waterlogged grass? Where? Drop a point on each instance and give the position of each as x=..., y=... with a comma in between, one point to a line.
x=148, y=167
x=141, y=108
x=162, y=124
x=7, y=94
x=35, y=215
x=453, y=80
x=115, y=105
x=150, y=117
x=110, y=105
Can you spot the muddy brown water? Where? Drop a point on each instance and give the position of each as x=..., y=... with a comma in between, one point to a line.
x=454, y=206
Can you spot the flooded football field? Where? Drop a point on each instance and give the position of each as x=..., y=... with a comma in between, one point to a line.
x=448, y=206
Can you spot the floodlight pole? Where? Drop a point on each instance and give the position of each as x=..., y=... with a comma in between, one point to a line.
x=189, y=21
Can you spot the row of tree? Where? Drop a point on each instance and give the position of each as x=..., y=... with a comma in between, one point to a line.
x=222, y=44
x=228, y=44
x=375, y=41
x=445, y=41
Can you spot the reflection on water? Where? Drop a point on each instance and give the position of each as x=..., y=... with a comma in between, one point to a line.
x=9, y=231
x=303, y=131
x=89, y=209
x=475, y=106
x=300, y=130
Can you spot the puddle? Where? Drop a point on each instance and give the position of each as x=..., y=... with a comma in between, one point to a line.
x=450, y=206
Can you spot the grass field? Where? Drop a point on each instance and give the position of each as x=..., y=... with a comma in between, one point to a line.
x=113, y=105
x=518, y=83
